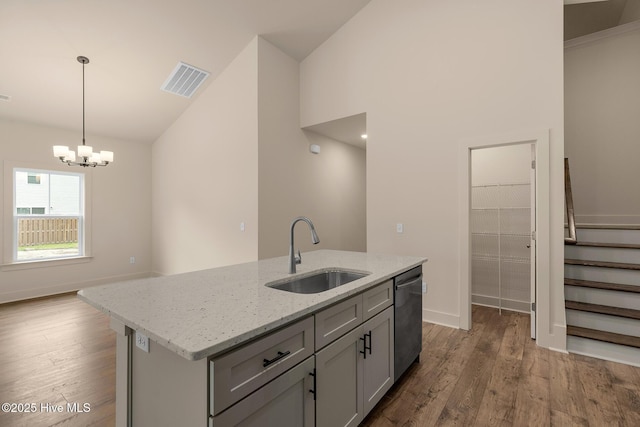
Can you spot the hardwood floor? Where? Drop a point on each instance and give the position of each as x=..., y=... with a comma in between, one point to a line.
x=60, y=350
x=56, y=351
x=496, y=375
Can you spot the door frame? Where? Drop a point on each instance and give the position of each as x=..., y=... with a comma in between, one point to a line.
x=540, y=139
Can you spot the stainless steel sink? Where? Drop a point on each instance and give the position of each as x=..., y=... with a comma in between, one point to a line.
x=318, y=282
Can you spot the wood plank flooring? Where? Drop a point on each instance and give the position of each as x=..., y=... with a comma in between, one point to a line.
x=496, y=375
x=58, y=350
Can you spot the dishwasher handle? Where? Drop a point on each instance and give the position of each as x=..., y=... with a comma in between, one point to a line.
x=413, y=282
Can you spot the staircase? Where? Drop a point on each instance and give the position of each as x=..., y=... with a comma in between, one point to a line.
x=602, y=294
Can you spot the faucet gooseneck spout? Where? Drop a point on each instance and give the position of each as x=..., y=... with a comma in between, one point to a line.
x=297, y=259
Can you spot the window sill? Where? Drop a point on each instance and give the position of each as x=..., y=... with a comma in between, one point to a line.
x=45, y=263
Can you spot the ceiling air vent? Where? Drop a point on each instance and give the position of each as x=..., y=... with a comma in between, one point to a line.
x=184, y=80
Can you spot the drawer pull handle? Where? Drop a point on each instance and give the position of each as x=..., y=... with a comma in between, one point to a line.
x=267, y=362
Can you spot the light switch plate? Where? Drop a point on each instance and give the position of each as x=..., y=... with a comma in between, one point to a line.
x=399, y=227
x=142, y=342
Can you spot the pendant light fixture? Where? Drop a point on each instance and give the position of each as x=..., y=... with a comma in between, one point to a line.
x=86, y=156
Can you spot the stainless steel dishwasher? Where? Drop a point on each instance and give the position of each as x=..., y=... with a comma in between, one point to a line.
x=408, y=319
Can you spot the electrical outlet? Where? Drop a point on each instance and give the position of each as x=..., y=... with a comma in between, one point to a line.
x=399, y=227
x=132, y=260
x=142, y=342
x=424, y=287
x=242, y=226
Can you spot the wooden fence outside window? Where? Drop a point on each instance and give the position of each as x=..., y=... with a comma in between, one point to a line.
x=42, y=231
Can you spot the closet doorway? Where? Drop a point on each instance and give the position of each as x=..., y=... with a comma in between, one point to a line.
x=501, y=227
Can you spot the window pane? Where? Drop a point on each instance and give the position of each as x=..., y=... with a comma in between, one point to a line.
x=50, y=216
x=65, y=195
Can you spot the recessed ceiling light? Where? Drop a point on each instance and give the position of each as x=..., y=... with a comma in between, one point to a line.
x=363, y=136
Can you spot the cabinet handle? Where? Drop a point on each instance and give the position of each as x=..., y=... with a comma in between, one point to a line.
x=267, y=362
x=313, y=391
x=364, y=351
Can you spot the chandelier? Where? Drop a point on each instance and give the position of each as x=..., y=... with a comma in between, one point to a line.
x=86, y=156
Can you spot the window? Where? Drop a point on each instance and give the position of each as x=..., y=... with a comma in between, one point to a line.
x=48, y=218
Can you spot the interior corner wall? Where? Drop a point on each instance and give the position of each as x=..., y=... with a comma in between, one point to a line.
x=602, y=103
x=204, y=176
x=430, y=74
x=121, y=207
x=329, y=187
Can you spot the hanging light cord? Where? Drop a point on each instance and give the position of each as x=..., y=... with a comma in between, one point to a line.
x=83, y=140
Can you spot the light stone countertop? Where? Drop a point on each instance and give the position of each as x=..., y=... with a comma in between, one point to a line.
x=203, y=313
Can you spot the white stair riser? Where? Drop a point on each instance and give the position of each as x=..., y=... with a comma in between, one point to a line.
x=608, y=236
x=599, y=274
x=630, y=256
x=603, y=322
x=602, y=297
x=604, y=350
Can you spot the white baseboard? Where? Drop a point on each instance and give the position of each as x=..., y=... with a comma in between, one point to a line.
x=439, y=318
x=66, y=287
x=558, y=341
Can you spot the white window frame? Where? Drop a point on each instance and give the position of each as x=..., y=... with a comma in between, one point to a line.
x=9, y=244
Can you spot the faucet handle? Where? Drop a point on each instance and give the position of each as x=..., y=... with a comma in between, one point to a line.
x=298, y=258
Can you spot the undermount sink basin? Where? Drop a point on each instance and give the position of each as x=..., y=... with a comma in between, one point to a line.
x=317, y=282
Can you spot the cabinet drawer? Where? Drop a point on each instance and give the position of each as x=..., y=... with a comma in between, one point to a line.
x=337, y=320
x=240, y=372
x=285, y=401
x=377, y=299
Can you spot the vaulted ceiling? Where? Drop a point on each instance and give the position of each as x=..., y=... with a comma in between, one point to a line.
x=133, y=45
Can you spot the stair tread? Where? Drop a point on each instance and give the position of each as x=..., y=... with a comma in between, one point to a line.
x=603, y=309
x=609, y=245
x=602, y=285
x=604, y=264
x=610, y=337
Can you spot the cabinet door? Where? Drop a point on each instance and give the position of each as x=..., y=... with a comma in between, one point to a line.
x=285, y=401
x=339, y=382
x=378, y=363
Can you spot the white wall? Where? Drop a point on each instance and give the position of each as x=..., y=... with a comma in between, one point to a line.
x=508, y=164
x=430, y=74
x=120, y=212
x=238, y=155
x=329, y=187
x=602, y=93
x=205, y=176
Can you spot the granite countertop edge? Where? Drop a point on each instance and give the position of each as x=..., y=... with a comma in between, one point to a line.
x=115, y=299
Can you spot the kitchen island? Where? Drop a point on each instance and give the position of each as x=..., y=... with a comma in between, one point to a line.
x=196, y=325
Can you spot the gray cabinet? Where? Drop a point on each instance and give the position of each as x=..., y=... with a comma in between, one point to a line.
x=354, y=372
x=378, y=366
x=272, y=381
x=285, y=401
x=339, y=382
x=335, y=321
x=238, y=373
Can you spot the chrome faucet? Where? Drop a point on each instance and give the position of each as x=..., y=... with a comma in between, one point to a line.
x=297, y=259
